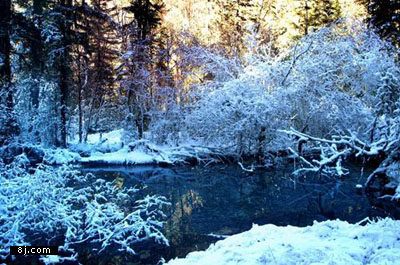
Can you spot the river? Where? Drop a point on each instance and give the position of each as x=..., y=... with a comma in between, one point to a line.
x=208, y=203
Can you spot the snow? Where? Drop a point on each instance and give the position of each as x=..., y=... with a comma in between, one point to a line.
x=330, y=242
x=110, y=149
x=59, y=202
x=123, y=156
x=60, y=156
x=397, y=195
x=112, y=137
x=100, y=142
x=54, y=259
x=150, y=154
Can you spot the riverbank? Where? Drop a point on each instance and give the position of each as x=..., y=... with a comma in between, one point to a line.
x=110, y=149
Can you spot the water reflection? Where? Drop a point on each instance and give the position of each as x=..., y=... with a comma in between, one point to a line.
x=224, y=200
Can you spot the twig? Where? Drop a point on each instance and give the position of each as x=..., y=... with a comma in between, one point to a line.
x=294, y=61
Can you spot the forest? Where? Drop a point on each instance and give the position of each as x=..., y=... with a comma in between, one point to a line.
x=195, y=131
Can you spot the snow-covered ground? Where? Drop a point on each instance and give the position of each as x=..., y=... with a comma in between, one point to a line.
x=144, y=152
x=101, y=142
x=125, y=157
x=109, y=148
x=330, y=242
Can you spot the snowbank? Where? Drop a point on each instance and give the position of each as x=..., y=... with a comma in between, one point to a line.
x=109, y=148
x=124, y=157
x=144, y=152
x=330, y=242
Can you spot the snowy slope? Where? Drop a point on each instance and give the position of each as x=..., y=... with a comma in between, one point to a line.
x=330, y=242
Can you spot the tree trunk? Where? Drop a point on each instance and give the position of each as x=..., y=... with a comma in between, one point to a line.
x=63, y=103
x=64, y=71
x=261, y=145
x=80, y=122
x=306, y=19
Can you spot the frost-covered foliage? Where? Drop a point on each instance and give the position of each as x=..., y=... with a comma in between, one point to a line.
x=379, y=92
x=325, y=85
x=330, y=242
x=210, y=63
x=40, y=124
x=60, y=156
x=382, y=145
x=53, y=204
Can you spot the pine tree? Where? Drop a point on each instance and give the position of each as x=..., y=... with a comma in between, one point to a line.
x=304, y=13
x=326, y=12
x=44, y=28
x=30, y=69
x=5, y=50
x=8, y=127
x=63, y=66
x=314, y=14
x=385, y=16
x=234, y=22
x=37, y=56
x=81, y=53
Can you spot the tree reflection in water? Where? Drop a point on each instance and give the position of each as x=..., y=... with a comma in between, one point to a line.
x=224, y=200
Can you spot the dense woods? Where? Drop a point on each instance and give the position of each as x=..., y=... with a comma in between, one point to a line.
x=74, y=67
x=230, y=75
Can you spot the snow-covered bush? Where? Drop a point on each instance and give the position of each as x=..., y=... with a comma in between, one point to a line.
x=372, y=77
x=60, y=156
x=53, y=204
x=324, y=85
x=382, y=145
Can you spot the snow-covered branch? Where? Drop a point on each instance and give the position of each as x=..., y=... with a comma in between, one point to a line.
x=59, y=201
x=335, y=150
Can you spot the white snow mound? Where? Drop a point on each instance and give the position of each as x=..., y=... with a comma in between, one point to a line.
x=330, y=242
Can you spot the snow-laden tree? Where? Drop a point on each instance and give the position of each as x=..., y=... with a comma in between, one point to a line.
x=61, y=207
x=135, y=72
x=38, y=124
x=324, y=85
x=378, y=90
x=385, y=16
x=197, y=69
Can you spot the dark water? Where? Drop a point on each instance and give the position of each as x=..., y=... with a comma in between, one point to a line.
x=224, y=200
